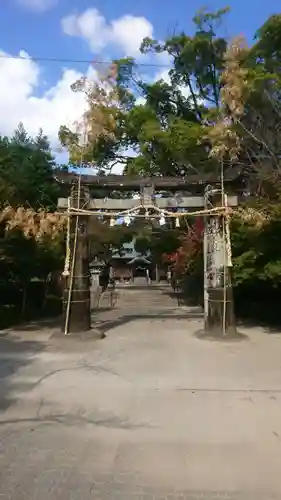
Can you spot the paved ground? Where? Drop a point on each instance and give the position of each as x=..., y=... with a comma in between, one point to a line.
x=149, y=413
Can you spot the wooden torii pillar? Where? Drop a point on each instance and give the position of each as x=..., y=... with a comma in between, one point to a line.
x=219, y=317
x=76, y=296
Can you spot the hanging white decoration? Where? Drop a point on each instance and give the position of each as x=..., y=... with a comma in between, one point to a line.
x=112, y=222
x=162, y=220
x=177, y=222
x=127, y=220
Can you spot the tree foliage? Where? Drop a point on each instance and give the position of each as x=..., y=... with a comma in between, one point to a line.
x=106, y=240
x=26, y=171
x=221, y=107
x=31, y=234
x=168, y=132
x=157, y=242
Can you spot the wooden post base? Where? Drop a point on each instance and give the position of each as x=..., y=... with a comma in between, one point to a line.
x=220, y=321
x=80, y=311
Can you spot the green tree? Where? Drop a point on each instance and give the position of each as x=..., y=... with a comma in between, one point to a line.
x=105, y=239
x=157, y=242
x=267, y=48
x=165, y=133
x=26, y=259
x=197, y=59
x=26, y=171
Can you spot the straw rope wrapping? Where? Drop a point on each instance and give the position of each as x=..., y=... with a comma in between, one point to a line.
x=67, y=253
x=159, y=212
x=72, y=262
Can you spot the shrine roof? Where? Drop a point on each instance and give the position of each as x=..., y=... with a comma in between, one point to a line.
x=125, y=182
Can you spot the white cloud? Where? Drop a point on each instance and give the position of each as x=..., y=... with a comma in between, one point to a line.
x=119, y=166
x=140, y=101
x=20, y=80
x=129, y=32
x=126, y=32
x=164, y=75
x=37, y=5
x=90, y=25
x=58, y=105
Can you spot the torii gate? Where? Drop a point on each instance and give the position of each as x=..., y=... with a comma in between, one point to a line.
x=196, y=194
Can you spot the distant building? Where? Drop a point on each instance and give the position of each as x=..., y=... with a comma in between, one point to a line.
x=128, y=263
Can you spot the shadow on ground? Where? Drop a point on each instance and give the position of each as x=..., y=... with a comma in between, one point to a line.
x=39, y=324
x=121, y=318
x=235, y=336
x=251, y=323
x=181, y=298
x=195, y=312
x=15, y=353
x=76, y=420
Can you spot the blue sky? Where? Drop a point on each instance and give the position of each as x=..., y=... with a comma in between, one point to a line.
x=39, y=32
x=38, y=93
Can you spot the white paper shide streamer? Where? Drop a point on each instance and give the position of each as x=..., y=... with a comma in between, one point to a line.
x=162, y=220
x=127, y=220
